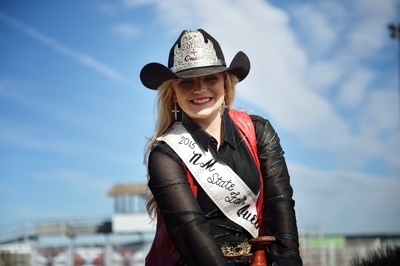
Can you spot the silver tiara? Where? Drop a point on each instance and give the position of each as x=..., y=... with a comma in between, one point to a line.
x=194, y=52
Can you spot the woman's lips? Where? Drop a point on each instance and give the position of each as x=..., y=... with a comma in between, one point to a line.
x=201, y=101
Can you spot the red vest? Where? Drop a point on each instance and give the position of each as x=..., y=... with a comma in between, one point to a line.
x=163, y=251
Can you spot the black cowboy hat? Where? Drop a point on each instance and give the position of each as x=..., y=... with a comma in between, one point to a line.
x=194, y=54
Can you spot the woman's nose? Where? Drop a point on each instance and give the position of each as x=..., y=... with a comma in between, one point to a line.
x=200, y=87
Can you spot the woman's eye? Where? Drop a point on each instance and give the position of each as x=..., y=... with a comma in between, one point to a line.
x=185, y=83
x=211, y=78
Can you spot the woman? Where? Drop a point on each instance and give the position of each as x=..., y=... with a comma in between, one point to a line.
x=217, y=176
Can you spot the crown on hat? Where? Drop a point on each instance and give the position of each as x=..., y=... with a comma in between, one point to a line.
x=194, y=51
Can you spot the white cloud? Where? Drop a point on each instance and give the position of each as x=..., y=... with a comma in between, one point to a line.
x=331, y=197
x=301, y=88
x=136, y=3
x=23, y=137
x=381, y=110
x=383, y=9
x=23, y=134
x=39, y=139
x=125, y=31
x=322, y=76
x=74, y=180
x=81, y=58
x=108, y=9
x=353, y=90
x=24, y=211
x=316, y=28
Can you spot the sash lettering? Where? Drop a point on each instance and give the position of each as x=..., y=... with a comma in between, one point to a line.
x=228, y=191
x=195, y=161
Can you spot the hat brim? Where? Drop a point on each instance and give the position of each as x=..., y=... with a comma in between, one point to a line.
x=153, y=75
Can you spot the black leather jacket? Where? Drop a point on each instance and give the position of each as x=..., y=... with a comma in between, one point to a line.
x=195, y=225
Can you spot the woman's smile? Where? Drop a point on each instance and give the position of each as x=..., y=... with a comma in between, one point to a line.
x=200, y=101
x=201, y=97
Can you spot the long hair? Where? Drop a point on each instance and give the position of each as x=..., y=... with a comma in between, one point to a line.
x=165, y=120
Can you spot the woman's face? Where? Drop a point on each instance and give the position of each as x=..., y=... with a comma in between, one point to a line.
x=201, y=97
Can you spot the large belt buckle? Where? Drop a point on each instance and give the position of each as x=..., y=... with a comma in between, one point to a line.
x=235, y=250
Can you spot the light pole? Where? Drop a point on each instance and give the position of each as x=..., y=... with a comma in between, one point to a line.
x=395, y=34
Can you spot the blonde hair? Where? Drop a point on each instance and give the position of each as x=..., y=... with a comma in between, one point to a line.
x=165, y=120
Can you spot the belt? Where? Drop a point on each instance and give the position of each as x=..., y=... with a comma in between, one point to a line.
x=239, y=263
x=232, y=249
x=237, y=254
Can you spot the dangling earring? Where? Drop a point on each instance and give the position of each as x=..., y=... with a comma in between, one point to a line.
x=223, y=106
x=175, y=111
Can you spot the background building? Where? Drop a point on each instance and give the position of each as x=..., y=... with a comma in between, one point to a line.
x=125, y=238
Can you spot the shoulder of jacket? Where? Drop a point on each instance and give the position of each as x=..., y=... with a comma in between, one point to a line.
x=160, y=145
x=259, y=119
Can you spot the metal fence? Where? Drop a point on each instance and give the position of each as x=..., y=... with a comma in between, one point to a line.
x=21, y=245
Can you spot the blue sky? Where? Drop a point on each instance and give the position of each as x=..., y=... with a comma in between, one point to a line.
x=74, y=115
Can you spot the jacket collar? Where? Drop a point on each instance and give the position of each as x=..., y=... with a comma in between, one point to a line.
x=203, y=138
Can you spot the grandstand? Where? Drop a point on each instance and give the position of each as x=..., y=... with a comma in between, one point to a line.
x=124, y=238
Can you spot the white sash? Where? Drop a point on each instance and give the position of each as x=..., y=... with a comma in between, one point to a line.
x=228, y=191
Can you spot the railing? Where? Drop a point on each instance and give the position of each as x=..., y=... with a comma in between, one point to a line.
x=64, y=227
x=16, y=232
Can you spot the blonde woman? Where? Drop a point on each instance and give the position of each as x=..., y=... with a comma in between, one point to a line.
x=217, y=176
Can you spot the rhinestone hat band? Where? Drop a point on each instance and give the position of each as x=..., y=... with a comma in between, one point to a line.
x=194, y=52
